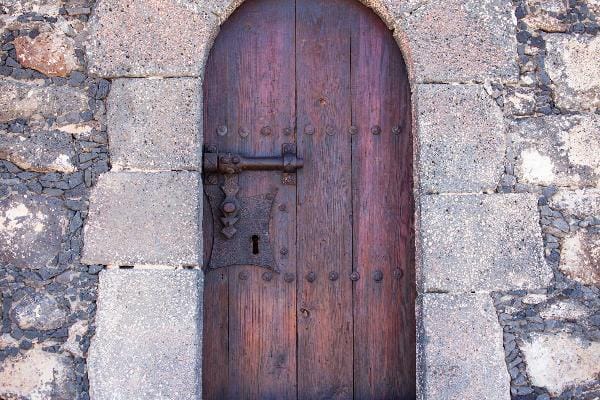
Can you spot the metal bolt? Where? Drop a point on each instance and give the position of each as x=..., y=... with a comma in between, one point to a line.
x=282, y=207
x=377, y=275
x=309, y=130
x=266, y=130
x=267, y=276
x=243, y=132
x=243, y=275
x=333, y=276
x=311, y=276
x=353, y=130
x=210, y=148
x=288, y=131
x=288, y=277
x=283, y=251
x=222, y=130
x=235, y=160
x=229, y=207
x=376, y=130
x=396, y=130
x=305, y=313
x=329, y=130
x=354, y=276
x=397, y=273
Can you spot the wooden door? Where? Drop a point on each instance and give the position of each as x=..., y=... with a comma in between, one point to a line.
x=310, y=283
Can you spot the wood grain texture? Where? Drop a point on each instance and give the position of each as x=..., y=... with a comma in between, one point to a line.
x=384, y=325
x=297, y=67
x=250, y=87
x=324, y=200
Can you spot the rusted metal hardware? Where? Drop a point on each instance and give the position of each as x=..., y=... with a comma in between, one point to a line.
x=229, y=163
x=377, y=275
x=354, y=276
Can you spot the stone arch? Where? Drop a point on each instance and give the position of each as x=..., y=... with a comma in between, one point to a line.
x=155, y=52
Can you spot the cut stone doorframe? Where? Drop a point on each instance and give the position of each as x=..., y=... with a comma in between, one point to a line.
x=147, y=211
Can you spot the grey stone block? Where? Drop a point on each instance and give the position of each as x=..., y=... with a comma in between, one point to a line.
x=40, y=151
x=23, y=99
x=31, y=230
x=461, y=41
x=582, y=203
x=154, y=123
x=461, y=136
x=481, y=243
x=148, y=336
x=580, y=257
x=143, y=218
x=150, y=38
x=462, y=350
x=557, y=150
x=572, y=64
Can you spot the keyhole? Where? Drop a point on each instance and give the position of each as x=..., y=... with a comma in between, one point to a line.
x=255, y=244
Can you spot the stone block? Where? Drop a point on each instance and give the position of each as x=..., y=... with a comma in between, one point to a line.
x=23, y=99
x=461, y=136
x=543, y=15
x=572, y=64
x=473, y=41
x=581, y=203
x=51, y=53
x=150, y=38
x=580, y=257
x=557, y=150
x=38, y=311
x=40, y=151
x=154, y=123
x=462, y=349
x=148, y=335
x=481, y=243
x=37, y=374
x=31, y=230
x=143, y=218
x=44, y=7
x=557, y=361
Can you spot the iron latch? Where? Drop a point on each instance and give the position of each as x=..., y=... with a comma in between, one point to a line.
x=230, y=165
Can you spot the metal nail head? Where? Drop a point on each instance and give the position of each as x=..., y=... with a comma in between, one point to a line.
x=222, y=130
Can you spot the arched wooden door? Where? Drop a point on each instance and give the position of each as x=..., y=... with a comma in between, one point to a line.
x=310, y=282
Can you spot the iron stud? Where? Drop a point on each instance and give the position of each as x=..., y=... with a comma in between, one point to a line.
x=330, y=130
x=266, y=130
x=397, y=273
x=309, y=130
x=283, y=251
x=243, y=275
x=288, y=131
x=267, y=276
x=222, y=130
x=396, y=130
x=311, y=276
x=333, y=276
x=354, y=276
x=353, y=130
x=376, y=130
x=243, y=132
x=288, y=277
x=282, y=207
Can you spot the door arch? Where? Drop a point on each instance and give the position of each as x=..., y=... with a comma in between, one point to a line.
x=327, y=310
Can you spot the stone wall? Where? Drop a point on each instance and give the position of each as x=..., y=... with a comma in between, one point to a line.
x=507, y=122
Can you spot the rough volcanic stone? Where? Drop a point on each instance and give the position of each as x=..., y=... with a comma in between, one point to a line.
x=148, y=325
x=580, y=257
x=475, y=39
x=572, y=64
x=39, y=311
x=31, y=230
x=143, y=218
x=37, y=374
x=51, y=53
x=582, y=203
x=557, y=150
x=462, y=351
x=22, y=99
x=154, y=123
x=557, y=361
x=150, y=38
x=543, y=15
x=44, y=7
x=519, y=101
x=570, y=310
x=481, y=243
x=461, y=134
x=40, y=151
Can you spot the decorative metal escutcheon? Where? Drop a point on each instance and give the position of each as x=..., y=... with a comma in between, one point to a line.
x=241, y=224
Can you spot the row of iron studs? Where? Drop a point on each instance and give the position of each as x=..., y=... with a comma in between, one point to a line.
x=308, y=130
x=311, y=276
